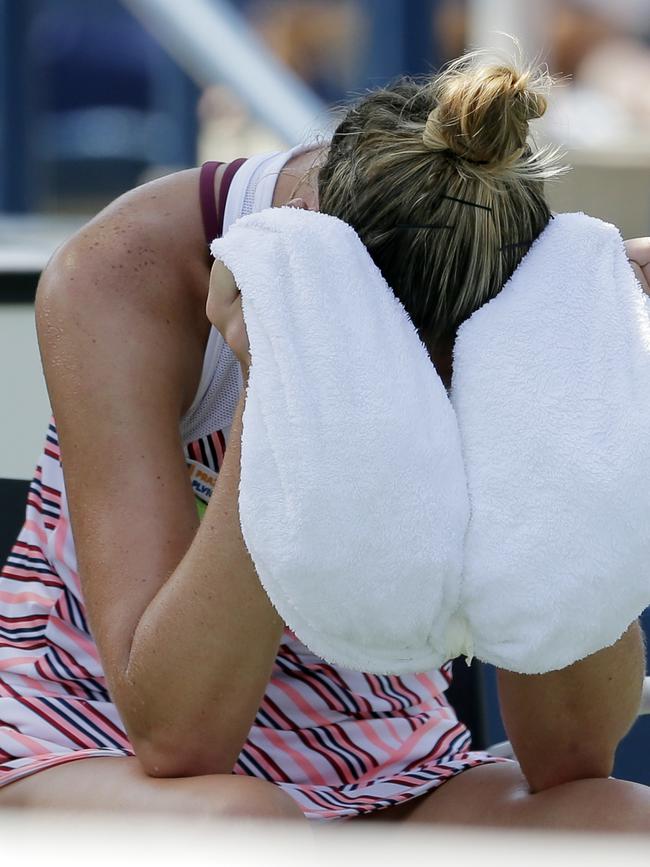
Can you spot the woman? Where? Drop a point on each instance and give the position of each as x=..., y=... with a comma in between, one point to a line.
x=142, y=666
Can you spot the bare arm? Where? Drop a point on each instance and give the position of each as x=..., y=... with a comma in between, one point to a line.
x=567, y=724
x=185, y=633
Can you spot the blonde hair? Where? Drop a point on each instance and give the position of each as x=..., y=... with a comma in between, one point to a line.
x=443, y=185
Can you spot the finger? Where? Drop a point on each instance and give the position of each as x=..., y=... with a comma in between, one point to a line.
x=222, y=293
x=235, y=334
x=298, y=203
x=222, y=283
x=641, y=277
x=638, y=250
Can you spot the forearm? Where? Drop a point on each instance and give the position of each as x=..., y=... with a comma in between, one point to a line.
x=566, y=725
x=204, y=648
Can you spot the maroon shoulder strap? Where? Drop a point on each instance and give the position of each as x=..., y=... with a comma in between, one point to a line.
x=213, y=215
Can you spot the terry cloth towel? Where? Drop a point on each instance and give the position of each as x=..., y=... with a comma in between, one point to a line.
x=394, y=526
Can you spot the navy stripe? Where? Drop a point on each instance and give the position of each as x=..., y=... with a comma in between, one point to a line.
x=65, y=676
x=23, y=579
x=91, y=724
x=390, y=690
x=410, y=694
x=76, y=719
x=51, y=504
x=258, y=769
x=28, y=562
x=343, y=701
x=349, y=757
x=42, y=511
x=267, y=721
x=319, y=734
x=102, y=692
x=204, y=454
x=79, y=729
x=301, y=734
x=34, y=632
x=213, y=453
x=80, y=613
x=73, y=608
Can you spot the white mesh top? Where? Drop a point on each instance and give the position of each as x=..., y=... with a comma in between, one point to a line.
x=214, y=405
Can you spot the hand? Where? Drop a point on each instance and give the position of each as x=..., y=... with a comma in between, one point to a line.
x=223, y=309
x=638, y=252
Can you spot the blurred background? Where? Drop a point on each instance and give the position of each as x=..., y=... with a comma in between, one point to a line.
x=97, y=97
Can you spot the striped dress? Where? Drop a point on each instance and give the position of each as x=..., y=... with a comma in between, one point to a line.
x=340, y=742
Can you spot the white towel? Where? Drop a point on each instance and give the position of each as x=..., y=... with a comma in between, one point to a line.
x=358, y=470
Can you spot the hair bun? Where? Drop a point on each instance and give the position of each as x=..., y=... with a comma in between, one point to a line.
x=483, y=111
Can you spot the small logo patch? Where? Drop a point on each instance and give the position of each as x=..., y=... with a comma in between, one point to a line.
x=203, y=481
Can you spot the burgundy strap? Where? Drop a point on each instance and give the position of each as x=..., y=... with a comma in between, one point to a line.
x=206, y=194
x=228, y=175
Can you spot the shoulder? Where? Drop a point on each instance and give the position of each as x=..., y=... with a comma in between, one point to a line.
x=131, y=282
x=144, y=246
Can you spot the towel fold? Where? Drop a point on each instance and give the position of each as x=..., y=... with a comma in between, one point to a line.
x=358, y=469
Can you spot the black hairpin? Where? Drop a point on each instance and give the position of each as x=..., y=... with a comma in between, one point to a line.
x=421, y=226
x=466, y=202
x=516, y=244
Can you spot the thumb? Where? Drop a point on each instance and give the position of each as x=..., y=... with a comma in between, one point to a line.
x=298, y=203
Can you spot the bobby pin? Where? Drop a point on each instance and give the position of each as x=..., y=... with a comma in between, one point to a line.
x=516, y=244
x=421, y=226
x=465, y=202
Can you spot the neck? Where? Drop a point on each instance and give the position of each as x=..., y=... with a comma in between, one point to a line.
x=441, y=355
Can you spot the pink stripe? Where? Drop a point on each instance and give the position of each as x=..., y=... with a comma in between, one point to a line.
x=439, y=749
x=268, y=762
x=335, y=677
x=307, y=737
x=51, y=679
x=309, y=769
x=369, y=731
x=336, y=760
x=53, y=493
x=60, y=538
x=401, y=688
x=38, y=577
x=37, y=530
x=28, y=620
x=51, y=718
x=35, y=747
x=10, y=662
x=343, y=798
x=75, y=637
x=380, y=692
x=218, y=447
x=340, y=798
x=43, y=688
x=426, y=681
x=415, y=738
x=62, y=608
x=301, y=703
x=106, y=725
x=18, y=598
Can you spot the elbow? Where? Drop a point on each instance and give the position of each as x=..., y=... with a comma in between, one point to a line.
x=569, y=766
x=177, y=759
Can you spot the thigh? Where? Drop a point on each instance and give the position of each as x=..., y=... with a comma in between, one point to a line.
x=479, y=795
x=498, y=796
x=120, y=784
